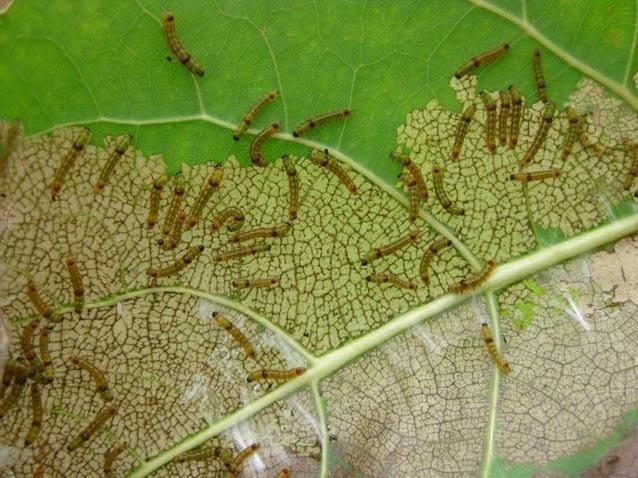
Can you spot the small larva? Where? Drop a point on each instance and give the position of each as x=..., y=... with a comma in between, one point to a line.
x=392, y=247
x=249, y=117
x=237, y=334
x=239, y=253
x=224, y=455
x=172, y=241
x=632, y=173
x=177, y=48
x=9, y=137
x=284, y=473
x=154, y=201
x=44, y=309
x=255, y=146
x=437, y=246
x=68, y=160
x=175, y=205
x=325, y=160
x=500, y=362
x=101, y=385
x=319, y=120
x=504, y=116
x=209, y=187
x=539, y=77
x=109, y=459
x=461, y=131
x=572, y=131
x=37, y=414
x=415, y=172
x=517, y=115
x=441, y=195
x=255, y=283
x=388, y=278
x=277, y=230
x=179, y=265
x=26, y=340
x=474, y=281
x=45, y=356
x=115, y=154
x=413, y=195
x=93, y=427
x=231, y=213
x=293, y=186
x=15, y=392
x=269, y=374
x=490, y=121
x=535, y=176
x=482, y=59
x=76, y=282
x=541, y=134
x=242, y=456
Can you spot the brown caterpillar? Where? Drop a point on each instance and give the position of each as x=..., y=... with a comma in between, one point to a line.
x=26, y=340
x=93, y=427
x=179, y=265
x=461, y=131
x=237, y=334
x=500, y=362
x=517, y=115
x=175, y=236
x=109, y=459
x=386, y=250
x=238, y=253
x=15, y=392
x=539, y=77
x=413, y=195
x=319, y=120
x=209, y=187
x=325, y=160
x=37, y=414
x=255, y=146
x=213, y=452
x=632, y=148
x=437, y=246
x=9, y=141
x=535, y=176
x=284, y=473
x=68, y=160
x=474, y=281
x=154, y=201
x=242, y=456
x=255, y=283
x=572, y=131
x=115, y=154
x=490, y=121
x=482, y=59
x=177, y=48
x=175, y=205
x=269, y=374
x=415, y=172
x=45, y=356
x=504, y=116
x=249, y=117
x=227, y=214
x=441, y=195
x=76, y=282
x=101, y=385
x=277, y=230
x=44, y=309
x=293, y=186
x=541, y=134
x=388, y=278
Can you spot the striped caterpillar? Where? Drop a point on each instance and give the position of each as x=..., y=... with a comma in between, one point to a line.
x=249, y=117
x=233, y=214
x=224, y=455
x=541, y=134
x=109, y=459
x=255, y=283
x=504, y=116
x=392, y=247
x=461, y=131
x=311, y=123
x=209, y=187
x=490, y=122
x=488, y=340
x=413, y=195
x=177, y=48
x=277, y=230
x=517, y=115
x=26, y=340
x=93, y=427
x=243, y=252
x=237, y=334
x=632, y=149
x=175, y=205
x=474, y=281
x=101, y=385
x=255, y=146
x=326, y=161
x=441, y=195
x=539, y=77
x=434, y=249
x=115, y=155
x=388, y=278
x=44, y=309
x=572, y=131
x=172, y=241
x=36, y=416
x=45, y=356
x=482, y=59
x=293, y=186
x=68, y=160
x=269, y=374
x=154, y=200
x=415, y=173
x=179, y=265
x=76, y=282
x=535, y=176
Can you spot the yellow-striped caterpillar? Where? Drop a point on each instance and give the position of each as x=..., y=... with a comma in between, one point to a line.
x=293, y=186
x=255, y=283
x=517, y=115
x=101, y=384
x=37, y=413
x=472, y=282
x=249, y=117
x=284, y=473
x=391, y=248
x=175, y=205
x=504, y=116
x=255, y=146
x=231, y=213
x=76, y=282
x=535, y=176
x=325, y=160
x=154, y=200
x=44, y=309
x=461, y=131
x=209, y=187
x=224, y=455
x=539, y=77
x=388, y=278
x=242, y=456
x=45, y=356
x=277, y=230
x=179, y=265
x=243, y=252
x=437, y=246
x=572, y=131
x=109, y=459
x=490, y=121
x=415, y=172
x=311, y=123
x=441, y=195
x=26, y=340
x=93, y=427
x=482, y=59
x=269, y=374
x=237, y=334
x=413, y=195
x=632, y=149
x=177, y=48
x=68, y=160
x=541, y=134
x=175, y=236
x=115, y=154
x=488, y=340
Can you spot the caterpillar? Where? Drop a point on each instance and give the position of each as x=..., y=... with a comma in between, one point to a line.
x=539, y=77
x=238, y=253
x=37, y=414
x=177, y=48
x=179, y=265
x=504, y=116
x=213, y=452
x=209, y=187
x=490, y=122
x=44, y=309
x=101, y=385
x=413, y=195
x=269, y=374
x=572, y=131
x=242, y=456
x=632, y=148
x=255, y=146
x=461, y=131
x=284, y=473
x=237, y=334
x=68, y=160
x=26, y=340
x=175, y=205
x=93, y=427
x=388, y=278
x=277, y=230
x=517, y=115
x=311, y=123
x=474, y=281
x=535, y=176
x=585, y=140
x=415, y=172
x=437, y=246
x=109, y=459
x=115, y=154
x=45, y=356
x=249, y=117
x=76, y=282
x=441, y=195
x=392, y=247
x=325, y=160
x=9, y=138
x=15, y=392
x=293, y=186
x=230, y=213
x=176, y=233
x=482, y=59
x=541, y=134
x=255, y=283
x=500, y=362
x=154, y=201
